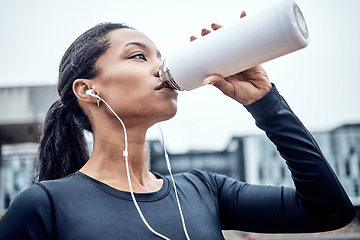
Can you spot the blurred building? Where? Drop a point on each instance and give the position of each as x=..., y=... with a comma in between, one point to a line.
x=17, y=171
x=228, y=162
x=22, y=111
x=249, y=158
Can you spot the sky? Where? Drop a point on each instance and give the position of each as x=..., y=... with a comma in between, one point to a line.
x=321, y=82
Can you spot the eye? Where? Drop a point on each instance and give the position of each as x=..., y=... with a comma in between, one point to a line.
x=140, y=56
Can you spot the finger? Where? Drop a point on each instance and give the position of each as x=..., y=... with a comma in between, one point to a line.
x=218, y=81
x=212, y=79
x=205, y=31
x=192, y=38
x=243, y=14
x=215, y=26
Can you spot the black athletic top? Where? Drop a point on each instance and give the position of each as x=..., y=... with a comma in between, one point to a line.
x=79, y=207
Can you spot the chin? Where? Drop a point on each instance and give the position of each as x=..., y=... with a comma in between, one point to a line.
x=171, y=114
x=168, y=113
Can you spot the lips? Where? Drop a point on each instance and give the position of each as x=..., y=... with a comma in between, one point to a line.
x=162, y=85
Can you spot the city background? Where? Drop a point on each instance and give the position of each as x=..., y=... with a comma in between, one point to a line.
x=320, y=83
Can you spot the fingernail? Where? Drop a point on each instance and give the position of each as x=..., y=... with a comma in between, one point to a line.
x=208, y=82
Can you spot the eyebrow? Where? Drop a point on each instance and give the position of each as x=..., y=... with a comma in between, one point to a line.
x=142, y=46
x=135, y=43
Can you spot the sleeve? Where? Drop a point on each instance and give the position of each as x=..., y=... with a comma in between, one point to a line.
x=28, y=217
x=317, y=203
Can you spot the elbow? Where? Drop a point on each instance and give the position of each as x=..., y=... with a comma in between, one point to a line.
x=347, y=216
x=344, y=219
x=338, y=219
x=329, y=217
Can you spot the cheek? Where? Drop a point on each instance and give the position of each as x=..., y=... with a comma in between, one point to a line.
x=126, y=90
x=133, y=102
x=127, y=77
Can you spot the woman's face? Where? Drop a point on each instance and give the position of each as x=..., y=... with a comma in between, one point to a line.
x=129, y=81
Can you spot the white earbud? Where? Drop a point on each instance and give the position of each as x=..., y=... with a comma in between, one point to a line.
x=91, y=92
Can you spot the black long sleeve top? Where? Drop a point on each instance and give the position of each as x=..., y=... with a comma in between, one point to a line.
x=80, y=207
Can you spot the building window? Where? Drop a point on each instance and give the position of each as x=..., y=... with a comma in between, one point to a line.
x=347, y=168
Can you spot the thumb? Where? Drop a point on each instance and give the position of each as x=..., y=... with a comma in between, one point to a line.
x=218, y=81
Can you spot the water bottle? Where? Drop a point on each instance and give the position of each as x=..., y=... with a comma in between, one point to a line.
x=270, y=33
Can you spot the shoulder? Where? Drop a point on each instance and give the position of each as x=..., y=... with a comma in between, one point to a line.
x=29, y=213
x=196, y=176
x=64, y=189
x=57, y=184
x=30, y=198
x=37, y=198
x=206, y=178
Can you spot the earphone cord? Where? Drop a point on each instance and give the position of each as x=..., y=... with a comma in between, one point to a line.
x=126, y=154
x=172, y=178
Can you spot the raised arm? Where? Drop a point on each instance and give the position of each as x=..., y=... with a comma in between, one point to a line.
x=318, y=202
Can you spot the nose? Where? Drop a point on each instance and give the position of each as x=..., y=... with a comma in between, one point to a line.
x=157, y=72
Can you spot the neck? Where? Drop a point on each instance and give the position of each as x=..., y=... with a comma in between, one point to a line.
x=107, y=163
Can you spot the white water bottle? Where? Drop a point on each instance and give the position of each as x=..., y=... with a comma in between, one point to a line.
x=252, y=40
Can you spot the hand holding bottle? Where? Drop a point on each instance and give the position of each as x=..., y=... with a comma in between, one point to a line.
x=245, y=87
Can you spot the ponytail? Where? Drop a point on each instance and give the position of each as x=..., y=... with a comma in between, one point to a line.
x=63, y=148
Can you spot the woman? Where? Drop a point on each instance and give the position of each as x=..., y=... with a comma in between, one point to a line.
x=91, y=198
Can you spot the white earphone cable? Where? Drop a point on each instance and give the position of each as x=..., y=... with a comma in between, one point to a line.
x=172, y=178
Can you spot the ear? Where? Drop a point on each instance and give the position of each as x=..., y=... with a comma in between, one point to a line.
x=79, y=88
